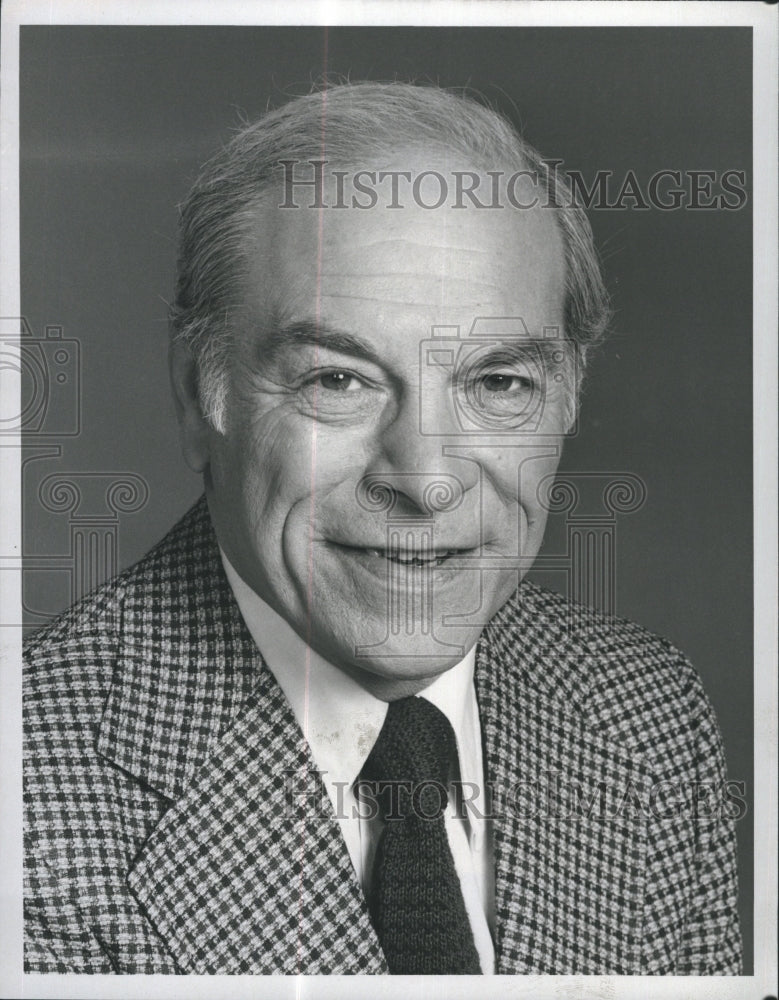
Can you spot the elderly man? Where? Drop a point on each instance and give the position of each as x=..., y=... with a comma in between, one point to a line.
x=323, y=727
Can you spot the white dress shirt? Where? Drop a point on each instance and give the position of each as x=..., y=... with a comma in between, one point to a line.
x=341, y=722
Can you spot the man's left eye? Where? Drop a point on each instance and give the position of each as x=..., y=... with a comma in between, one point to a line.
x=506, y=382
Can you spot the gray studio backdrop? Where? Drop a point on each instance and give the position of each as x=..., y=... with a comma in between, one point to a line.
x=115, y=123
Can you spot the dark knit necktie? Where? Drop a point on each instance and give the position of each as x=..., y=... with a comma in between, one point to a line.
x=416, y=902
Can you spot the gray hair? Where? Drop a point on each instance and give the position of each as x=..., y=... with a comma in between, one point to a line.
x=343, y=123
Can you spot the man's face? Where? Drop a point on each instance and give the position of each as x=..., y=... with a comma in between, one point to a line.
x=380, y=493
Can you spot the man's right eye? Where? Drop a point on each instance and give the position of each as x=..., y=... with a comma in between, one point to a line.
x=339, y=393
x=339, y=380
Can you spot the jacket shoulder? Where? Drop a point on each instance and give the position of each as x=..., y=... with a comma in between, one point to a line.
x=635, y=685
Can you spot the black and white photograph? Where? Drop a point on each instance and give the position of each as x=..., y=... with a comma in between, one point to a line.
x=389, y=497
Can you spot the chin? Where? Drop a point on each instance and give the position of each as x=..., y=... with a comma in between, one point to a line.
x=389, y=678
x=418, y=658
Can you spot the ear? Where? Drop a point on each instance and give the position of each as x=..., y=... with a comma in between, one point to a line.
x=194, y=430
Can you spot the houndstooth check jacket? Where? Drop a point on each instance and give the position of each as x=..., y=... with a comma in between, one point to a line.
x=161, y=836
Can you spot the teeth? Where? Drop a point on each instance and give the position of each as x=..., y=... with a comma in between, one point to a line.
x=413, y=560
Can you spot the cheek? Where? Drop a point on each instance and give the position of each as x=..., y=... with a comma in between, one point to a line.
x=521, y=476
x=280, y=462
x=251, y=483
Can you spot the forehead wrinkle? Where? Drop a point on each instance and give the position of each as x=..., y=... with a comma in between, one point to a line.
x=387, y=272
x=390, y=279
x=381, y=300
x=425, y=245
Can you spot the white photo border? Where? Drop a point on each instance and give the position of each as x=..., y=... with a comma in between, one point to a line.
x=536, y=13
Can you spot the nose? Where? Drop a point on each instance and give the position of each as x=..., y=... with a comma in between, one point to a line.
x=416, y=462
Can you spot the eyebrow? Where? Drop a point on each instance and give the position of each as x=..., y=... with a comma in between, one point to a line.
x=317, y=334
x=519, y=348
x=321, y=335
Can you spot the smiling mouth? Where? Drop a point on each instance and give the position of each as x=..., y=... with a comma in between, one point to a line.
x=408, y=557
x=414, y=559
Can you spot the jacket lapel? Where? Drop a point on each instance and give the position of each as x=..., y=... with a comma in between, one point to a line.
x=247, y=871
x=186, y=664
x=569, y=833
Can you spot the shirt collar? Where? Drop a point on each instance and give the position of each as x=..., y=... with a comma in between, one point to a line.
x=339, y=718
